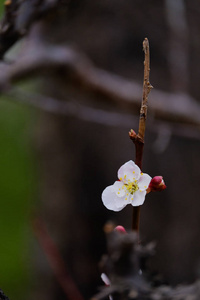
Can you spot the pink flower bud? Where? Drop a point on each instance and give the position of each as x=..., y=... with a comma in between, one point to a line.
x=156, y=184
x=120, y=229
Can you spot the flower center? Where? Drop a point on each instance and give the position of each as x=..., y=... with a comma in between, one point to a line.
x=132, y=187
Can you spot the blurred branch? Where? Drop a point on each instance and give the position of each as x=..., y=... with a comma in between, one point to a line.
x=178, y=45
x=126, y=265
x=8, y=34
x=71, y=109
x=19, y=16
x=99, y=116
x=78, y=68
x=3, y=296
x=55, y=260
x=38, y=58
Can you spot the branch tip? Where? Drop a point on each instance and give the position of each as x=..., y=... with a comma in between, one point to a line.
x=145, y=45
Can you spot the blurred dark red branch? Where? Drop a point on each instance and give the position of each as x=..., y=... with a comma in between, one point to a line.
x=56, y=261
x=138, y=139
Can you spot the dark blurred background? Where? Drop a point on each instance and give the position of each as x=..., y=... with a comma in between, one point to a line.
x=56, y=165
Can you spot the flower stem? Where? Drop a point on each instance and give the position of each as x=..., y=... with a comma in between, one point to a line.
x=138, y=139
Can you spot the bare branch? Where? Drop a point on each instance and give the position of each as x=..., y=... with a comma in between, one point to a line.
x=139, y=138
x=146, y=90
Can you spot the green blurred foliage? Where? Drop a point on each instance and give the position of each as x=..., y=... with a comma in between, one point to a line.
x=1, y=9
x=16, y=188
x=16, y=192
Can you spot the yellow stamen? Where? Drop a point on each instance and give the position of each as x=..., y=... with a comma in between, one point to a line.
x=132, y=187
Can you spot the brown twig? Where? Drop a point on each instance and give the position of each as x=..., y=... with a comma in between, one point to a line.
x=138, y=139
x=56, y=261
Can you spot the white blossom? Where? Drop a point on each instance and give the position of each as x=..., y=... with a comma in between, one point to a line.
x=129, y=189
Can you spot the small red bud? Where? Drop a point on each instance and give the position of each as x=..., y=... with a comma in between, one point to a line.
x=120, y=229
x=156, y=184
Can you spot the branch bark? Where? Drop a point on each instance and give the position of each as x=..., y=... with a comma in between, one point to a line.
x=139, y=138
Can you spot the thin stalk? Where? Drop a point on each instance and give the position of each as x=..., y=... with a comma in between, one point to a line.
x=138, y=139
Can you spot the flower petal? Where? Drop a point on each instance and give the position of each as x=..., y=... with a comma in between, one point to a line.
x=129, y=172
x=138, y=198
x=122, y=202
x=144, y=181
x=111, y=200
x=105, y=279
x=119, y=188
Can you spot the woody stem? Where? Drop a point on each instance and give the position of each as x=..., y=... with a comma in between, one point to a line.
x=139, y=138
